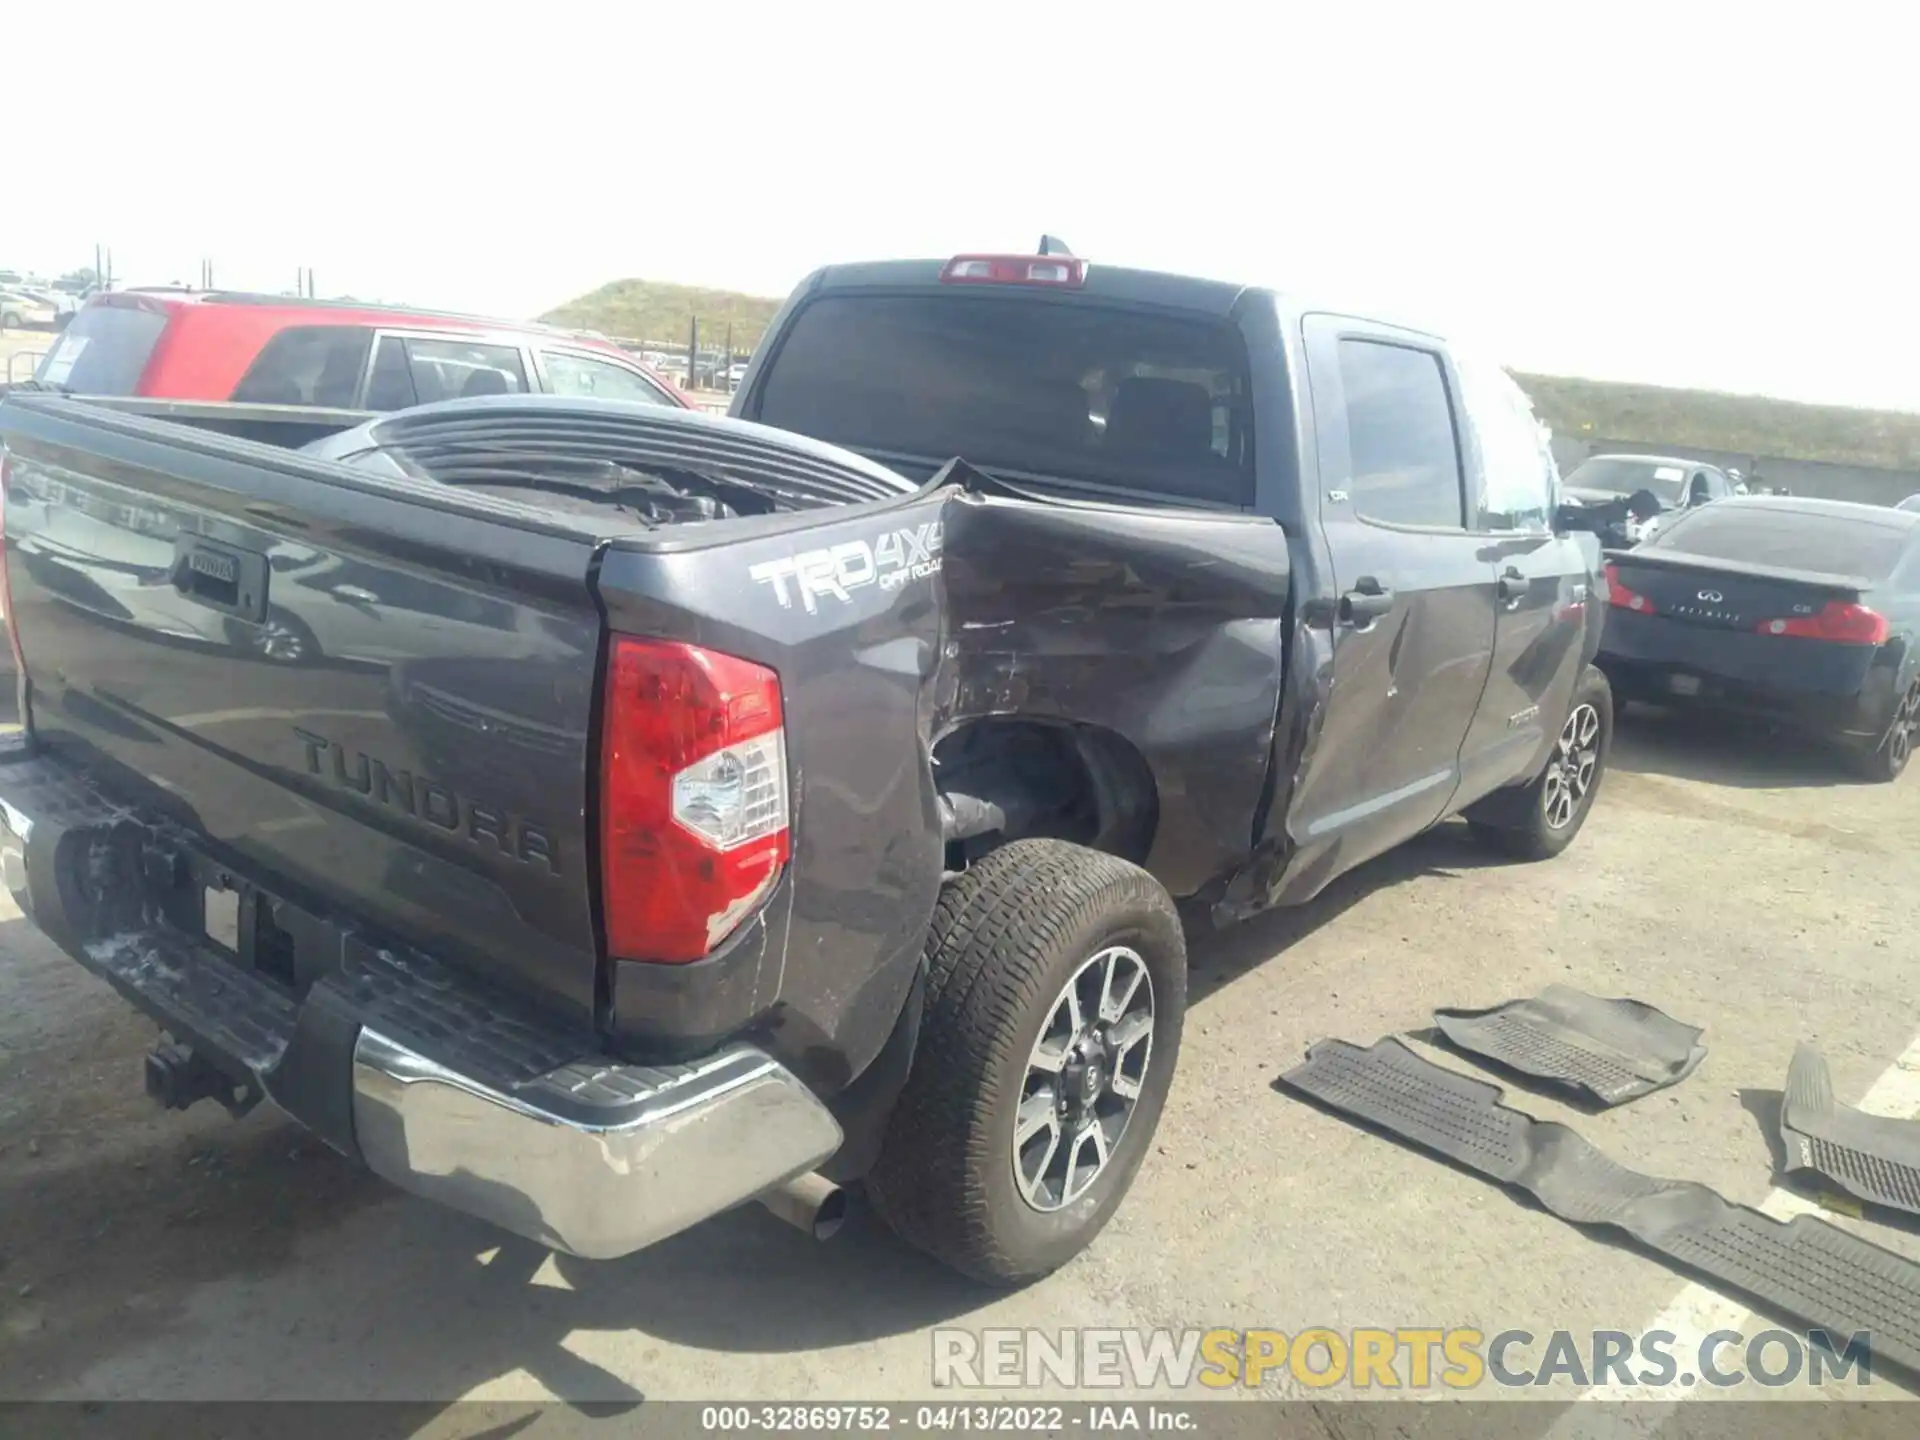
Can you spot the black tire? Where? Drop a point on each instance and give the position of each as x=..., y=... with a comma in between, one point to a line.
x=1006, y=938
x=1888, y=760
x=1523, y=824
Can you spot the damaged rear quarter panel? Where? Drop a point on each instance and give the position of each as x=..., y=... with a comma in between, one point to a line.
x=1165, y=627
x=843, y=604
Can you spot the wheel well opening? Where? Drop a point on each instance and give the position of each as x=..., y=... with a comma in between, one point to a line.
x=1012, y=778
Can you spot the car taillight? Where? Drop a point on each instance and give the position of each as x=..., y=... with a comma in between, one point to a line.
x=6, y=580
x=693, y=797
x=1618, y=594
x=1842, y=622
x=1015, y=270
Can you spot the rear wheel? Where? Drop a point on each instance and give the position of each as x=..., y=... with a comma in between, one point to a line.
x=1888, y=761
x=1540, y=821
x=1055, y=1000
x=281, y=639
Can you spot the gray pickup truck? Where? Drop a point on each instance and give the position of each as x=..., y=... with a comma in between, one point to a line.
x=595, y=816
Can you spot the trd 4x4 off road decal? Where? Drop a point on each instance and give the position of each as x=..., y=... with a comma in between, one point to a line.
x=839, y=570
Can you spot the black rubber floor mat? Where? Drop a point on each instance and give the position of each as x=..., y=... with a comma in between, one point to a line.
x=1804, y=1268
x=1609, y=1050
x=1869, y=1156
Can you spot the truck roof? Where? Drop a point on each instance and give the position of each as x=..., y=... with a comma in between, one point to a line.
x=1114, y=283
x=1103, y=282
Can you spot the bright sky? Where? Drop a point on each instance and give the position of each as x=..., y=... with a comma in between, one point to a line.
x=1696, y=194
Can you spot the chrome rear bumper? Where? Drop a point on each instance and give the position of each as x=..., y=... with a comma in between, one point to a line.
x=595, y=1160
x=444, y=1086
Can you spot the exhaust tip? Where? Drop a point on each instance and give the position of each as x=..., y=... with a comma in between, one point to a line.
x=811, y=1203
x=831, y=1215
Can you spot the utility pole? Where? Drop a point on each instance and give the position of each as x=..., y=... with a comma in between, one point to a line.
x=99, y=272
x=693, y=350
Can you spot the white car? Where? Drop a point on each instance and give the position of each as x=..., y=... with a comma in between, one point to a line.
x=27, y=310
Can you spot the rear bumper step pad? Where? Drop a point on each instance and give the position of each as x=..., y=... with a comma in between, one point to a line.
x=1610, y=1051
x=1805, y=1268
x=1872, y=1157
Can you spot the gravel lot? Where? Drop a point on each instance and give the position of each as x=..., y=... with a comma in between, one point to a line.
x=1745, y=884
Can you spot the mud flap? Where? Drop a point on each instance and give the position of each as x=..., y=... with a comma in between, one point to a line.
x=1608, y=1051
x=1805, y=1269
x=1872, y=1157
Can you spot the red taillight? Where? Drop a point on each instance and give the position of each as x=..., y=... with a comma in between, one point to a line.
x=693, y=797
x=1618, y=594
x=1841, y=622
x=1015, y=270
x=6, y=580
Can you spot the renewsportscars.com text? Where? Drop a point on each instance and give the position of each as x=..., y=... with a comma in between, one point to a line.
x=1411, y=1358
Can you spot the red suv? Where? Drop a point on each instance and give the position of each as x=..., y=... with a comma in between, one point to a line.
x=273, y=350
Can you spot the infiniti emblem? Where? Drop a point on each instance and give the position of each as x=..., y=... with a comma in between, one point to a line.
x=1712, y=597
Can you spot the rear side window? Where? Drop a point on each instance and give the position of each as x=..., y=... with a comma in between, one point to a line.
x=308, y=365
x=1103, y=397
x=1792, y=538
x=103, y=351
x=413, y=371
x=1406, y=457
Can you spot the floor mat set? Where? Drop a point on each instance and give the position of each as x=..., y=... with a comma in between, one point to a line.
x=1607, y=1052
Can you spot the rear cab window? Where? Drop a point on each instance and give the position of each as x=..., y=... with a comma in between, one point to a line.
x=1791, y=538
x=1082, y=396
x=104, y=350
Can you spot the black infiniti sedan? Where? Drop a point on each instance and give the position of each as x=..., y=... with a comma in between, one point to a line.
x=1804, y=611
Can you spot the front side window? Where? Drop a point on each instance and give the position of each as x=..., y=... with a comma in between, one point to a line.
x=571, y=373
x=1519, y=481
x=1405, y=456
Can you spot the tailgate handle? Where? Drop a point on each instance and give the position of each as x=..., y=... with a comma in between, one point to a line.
x=221, y=577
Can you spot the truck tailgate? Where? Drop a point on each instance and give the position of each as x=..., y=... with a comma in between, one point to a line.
x=378, y=692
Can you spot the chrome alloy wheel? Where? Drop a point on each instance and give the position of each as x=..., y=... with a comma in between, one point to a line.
x=1572, y=767
x=1083, y=1079
x=276, y=640
x=1905, y=728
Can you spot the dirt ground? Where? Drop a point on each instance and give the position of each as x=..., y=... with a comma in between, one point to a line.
x=1736, y=879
